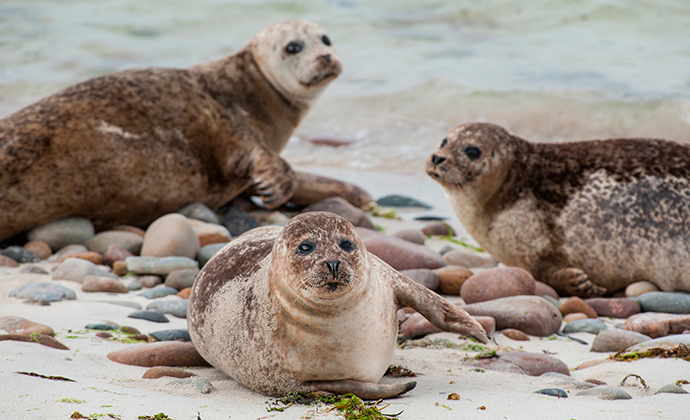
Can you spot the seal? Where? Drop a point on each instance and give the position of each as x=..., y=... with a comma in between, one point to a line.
x=585, y=217
x=130, y=146
x=306, y=307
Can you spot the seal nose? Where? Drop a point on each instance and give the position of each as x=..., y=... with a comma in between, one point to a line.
x=326, y=57
x=437, y=159
x=333, y=267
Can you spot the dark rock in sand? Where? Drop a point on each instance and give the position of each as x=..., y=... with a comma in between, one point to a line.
x=614, y=307
x=494, y=283
x=43, y=339
x=514, y=334
x=199, y=211
x=671, y=389
x=575, y=304
x=554, y=392
x=101, y=327
x=45, y=291
x=592, y=326
x=33, y=269
x=614, y=340
x=239, y=221
x=411, y=235
x=343, y=208
x=20, y=254
x=451, y=278
x=533, y=364
x=181, y=279
x=438, y=229
x=63, y=232
x=177, y=308
x=657, y=324
x=149, y=315
x=399, y=254
x=469, y=259
x=170, y=353
x=134, y=285
x=665, y=302
x=171, y=335
x=532, y=315
x=423, y=276
x=606, y=393
x=161, y=371
x=396, y=200
x=207, y=252
x=159, y=291
x=22, y=326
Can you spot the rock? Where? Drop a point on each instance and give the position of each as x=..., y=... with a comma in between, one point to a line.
x=199, y=211
x=171, y=235
x=150, y=281
x=533, y=364
x=657, y=324
x=101, y=327
x=329, y=141
x=596, y=382
x=640, y=288
x=20, y=254
x=32, y=269
x=207, y=252
x=554, y=302
x=575, y=316
x=666, y=302
x=94, y=257
x=158, y=291
x=120, y=268
x=614, y=307
x=514, y=334
x=487, y=322
x=592, y=326
x=239, y=221
x=45, y=291
x=63, y=232
x=399, y=254
x=131, y=229
x=554, y=392
x=130, y=330
x=22, y=326
x=566, y=381
x=209, y=233
x=184, y=293
x=181, y=279
x=116, y=253
x=126, y=240
x=39, y=248
x=134, y=285
x=575, y=304
x=469, y=259
x=416, y=326
x=669, y=341
x=671, y=389
x=396, y=200
x=542, y=289
x=615, y=340
x=75, y=269
x=104, y=335
x=529, y=314
x=423, y=276
x=494, y=283
x=411, y=235
x=591, y=363
x=451, y=278
x=43, y=339
x=265, y=217
x=438, y=229
x=155, y=265
x=67, y=251
x=149, y=315
x=446, y=249
x=171, y=335
x=343, y=208
x=606, y=393
x=313, y=188
x=103, y=284
x=7, y=262
x=171, y=353
x=177, y=308
x=161, y=371
x=203, y=385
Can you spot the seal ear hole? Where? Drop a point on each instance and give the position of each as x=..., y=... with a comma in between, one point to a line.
x=293, y=47
x=443, y=143
x=473, y=152
x=347, y=245
x=306, y=247
x=493, y=154
x=326, y=40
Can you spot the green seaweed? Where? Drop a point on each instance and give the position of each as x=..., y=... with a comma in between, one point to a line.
x=349, y=405
x=461, y=242
x=384, y=212
x=71, y=400
x=159, y=416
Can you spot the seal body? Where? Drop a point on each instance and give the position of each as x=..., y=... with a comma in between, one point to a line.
x=585, y=217
x=306, y=307
x=130, y=146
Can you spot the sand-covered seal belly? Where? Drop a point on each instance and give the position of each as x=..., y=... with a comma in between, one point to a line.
x=585, y=217
x=306, y=307
x=130, y=146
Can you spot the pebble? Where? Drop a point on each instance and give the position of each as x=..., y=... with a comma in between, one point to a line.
x=671, y=340
x=575, y=305
x=20, y=254
x=93, y=257
x=592, y=326
x=116, y=252
x=199, y=211
x=104, y=335
x=532, y=315
x=446, y=249
x=22, y=326
x=149, y=315
x=575, y=316
x=210, y=233
x=39, y=248
x=181, y=279
x=63, y=232
x=126, y=240
x=399, y=254
x=666, y=302
x=396, y=200
x=33, y=269
x=103, y=284
x=161, y=371
x=239, y=221
x=203, y=385
x=451, y=278
x=438, y=229
x=487, y=322
x=640, y=288
x=177, y=308
x=75, y=269
x=343, y=208
x=614, y=307
x=606, y=393
x=416, y=326
x=542, y=289
x=7, y=262
x=671, y=389
x=469, y=259
x=554, y=392
x=67, y=251
x=423, y=276
x=207, y=252
x=411, y=235
x=130, y=330
x=494, y=283
x=45, y=291
x=150, y=281
x=595, y=382
x=533, y=364
x=43, y=339
x=132, y=229
x=168, y=353
x=265, y=217
x=171, y=335
x=134, y=285
x=591, y=363
x=101, y=327
x=155, y=265
x=120, y=268
x=566, y=381
x=171, y=235
x=184, y=293
x=514, y=334
x=158, y=291
x=657, y=324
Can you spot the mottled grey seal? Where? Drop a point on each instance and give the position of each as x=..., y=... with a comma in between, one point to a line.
x=129, y=146
x=585, y=217
x=306, y=307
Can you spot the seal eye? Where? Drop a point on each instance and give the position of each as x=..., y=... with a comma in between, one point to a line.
x=347, y=245
x=473, y=152
x=443, y=143
x=293, y=48
x=326, y=40
x=305, y=248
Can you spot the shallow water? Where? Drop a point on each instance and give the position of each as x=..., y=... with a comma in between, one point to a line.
x=548, y=70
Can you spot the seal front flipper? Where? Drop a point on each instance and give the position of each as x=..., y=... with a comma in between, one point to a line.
x=272, y=179
x=572, y=281
x=364, y=390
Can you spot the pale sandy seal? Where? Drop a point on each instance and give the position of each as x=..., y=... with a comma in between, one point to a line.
x=306, y=307
x=585, y=217
x=127, y=147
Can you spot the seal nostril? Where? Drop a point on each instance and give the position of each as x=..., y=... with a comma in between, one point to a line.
x=333, y=267
x=437, y=159
x=326, y=57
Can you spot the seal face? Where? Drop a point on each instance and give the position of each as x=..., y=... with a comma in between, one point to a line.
x=307, y=307
x=585, y=217
x=127, y=147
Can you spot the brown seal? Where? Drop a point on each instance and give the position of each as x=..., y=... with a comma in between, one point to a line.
x=127, y=147
x=585, y=217
x=306, y=307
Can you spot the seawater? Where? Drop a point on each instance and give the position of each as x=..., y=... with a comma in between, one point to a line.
x=548, y=70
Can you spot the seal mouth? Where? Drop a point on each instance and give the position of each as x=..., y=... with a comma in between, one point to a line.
x=319, y=79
